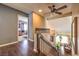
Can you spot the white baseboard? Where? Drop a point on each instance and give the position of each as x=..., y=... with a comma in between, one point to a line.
x=8, y=44
x=31, y=40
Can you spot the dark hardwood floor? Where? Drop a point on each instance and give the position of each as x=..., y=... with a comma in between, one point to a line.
x=23, y=48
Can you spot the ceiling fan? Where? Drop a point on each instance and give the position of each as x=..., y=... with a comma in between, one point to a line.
x=55, y=10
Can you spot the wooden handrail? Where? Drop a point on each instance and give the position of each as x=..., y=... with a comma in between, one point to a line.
x=48, y=43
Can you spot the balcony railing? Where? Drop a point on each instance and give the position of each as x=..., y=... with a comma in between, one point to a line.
x=45, y=47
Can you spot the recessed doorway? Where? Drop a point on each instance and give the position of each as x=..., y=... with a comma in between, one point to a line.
x=22, y=27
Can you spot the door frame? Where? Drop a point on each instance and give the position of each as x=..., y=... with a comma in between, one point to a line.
x=27, y=27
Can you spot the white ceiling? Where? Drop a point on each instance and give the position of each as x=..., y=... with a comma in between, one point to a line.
x=28, y=7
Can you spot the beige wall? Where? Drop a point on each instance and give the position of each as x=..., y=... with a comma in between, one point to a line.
x=38, y=22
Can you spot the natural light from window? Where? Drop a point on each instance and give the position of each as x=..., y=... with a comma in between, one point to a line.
x=64, y=39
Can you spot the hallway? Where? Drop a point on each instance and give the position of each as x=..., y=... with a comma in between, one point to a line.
x=23, y=48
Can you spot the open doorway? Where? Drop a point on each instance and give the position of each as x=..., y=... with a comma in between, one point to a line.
x=22, y=27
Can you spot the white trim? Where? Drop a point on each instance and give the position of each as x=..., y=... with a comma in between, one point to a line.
x=8, y=44
x=35, y=50
x=31, y=40
x=18, y=22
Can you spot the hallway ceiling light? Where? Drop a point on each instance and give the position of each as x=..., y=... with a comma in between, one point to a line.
x=40, y=10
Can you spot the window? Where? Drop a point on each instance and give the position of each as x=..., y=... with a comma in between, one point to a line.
x=64, y=39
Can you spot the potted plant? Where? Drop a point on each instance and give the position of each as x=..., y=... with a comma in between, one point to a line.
x=58, y=44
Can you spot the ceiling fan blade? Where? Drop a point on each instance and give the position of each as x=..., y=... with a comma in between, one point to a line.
x=58, y=12
x=65, y=6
